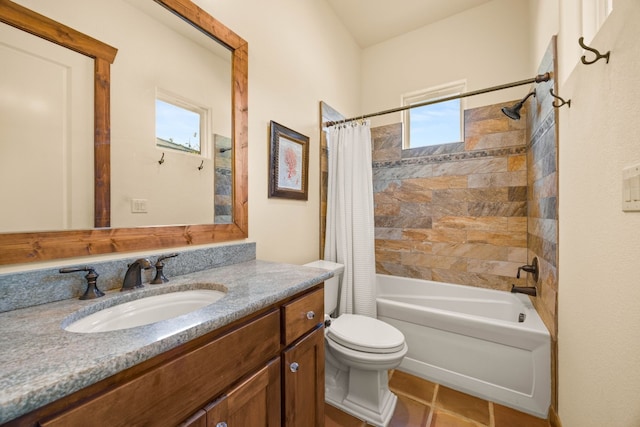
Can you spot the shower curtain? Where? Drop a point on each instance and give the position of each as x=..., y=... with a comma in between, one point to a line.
x=350, y=227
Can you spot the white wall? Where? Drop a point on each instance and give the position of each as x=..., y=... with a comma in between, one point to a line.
x=487, y=45
x=599, y=297
x=599, y=318
x=544, y=17
x=299, y=54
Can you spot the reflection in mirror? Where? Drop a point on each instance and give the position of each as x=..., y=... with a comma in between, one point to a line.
x=178, y=127
x=223, y=178
x=188, y=70
x=161, y=58
x=51, y=86
x=38, y=246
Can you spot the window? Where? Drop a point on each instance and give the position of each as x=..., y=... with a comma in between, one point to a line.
x=594, y=13
x=434, y=124
x=180, y=125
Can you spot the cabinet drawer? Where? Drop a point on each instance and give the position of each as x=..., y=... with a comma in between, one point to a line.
x=302, y=315
x=168, y=394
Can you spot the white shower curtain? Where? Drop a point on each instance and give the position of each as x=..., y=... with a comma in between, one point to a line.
x=350, y=227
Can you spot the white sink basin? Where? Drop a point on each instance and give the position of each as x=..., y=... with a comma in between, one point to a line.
x=144, y=311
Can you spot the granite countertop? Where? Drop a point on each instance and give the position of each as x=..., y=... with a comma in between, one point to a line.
x=40, y=362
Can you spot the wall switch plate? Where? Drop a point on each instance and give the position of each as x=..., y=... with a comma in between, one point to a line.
x=138, y=205
x=631, y=189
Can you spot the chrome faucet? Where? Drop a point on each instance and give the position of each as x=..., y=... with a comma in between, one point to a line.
x=133, y=277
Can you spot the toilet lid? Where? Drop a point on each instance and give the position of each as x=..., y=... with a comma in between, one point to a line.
x=365, y=334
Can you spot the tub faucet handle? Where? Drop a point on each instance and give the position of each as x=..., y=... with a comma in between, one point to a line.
x=530, y=268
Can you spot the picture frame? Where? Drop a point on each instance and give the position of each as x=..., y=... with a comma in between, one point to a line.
x=288, y=163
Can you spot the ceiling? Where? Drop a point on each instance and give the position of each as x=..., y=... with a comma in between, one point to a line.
x=374, y=21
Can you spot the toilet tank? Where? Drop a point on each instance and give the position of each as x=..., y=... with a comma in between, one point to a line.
x=332, y=285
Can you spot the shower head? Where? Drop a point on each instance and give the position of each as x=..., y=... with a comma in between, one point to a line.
x=513, y=112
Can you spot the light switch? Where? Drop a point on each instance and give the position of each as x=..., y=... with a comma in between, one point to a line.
x=138, y=205
x=635, y=188
x=631, y=189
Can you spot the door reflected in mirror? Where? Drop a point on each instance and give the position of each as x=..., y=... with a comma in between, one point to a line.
x=46, y=133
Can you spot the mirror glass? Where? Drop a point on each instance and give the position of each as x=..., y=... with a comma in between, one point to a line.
x=156, y=181
x=49, y=164
x=151, y=197
x=160, y=57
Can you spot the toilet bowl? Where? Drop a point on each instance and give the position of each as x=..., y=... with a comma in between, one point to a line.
x=359, y=351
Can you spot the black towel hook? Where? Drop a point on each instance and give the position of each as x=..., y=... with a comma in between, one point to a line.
x=559, y=98
x=201, y=165
x=599, y=56
x=161, y=161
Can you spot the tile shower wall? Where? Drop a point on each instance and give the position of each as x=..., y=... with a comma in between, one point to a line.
x=542, y=181
x=222, y=180
x=454, y=213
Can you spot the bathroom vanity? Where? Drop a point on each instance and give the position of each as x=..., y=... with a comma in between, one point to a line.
x=258, y=359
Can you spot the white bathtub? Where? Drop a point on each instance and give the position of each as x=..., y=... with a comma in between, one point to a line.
x=471, y=339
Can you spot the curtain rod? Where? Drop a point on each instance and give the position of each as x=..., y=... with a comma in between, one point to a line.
x=537, y=79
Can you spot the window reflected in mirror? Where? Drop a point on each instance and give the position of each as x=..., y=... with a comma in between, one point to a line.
x=179, y=126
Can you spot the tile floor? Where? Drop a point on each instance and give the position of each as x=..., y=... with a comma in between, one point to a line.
x=424, y=404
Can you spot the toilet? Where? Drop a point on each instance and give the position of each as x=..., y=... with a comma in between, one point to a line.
x=359, y=351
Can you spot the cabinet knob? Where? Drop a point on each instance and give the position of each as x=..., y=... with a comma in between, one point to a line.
x=221, y=424
x=310, y=315
x=294, y=367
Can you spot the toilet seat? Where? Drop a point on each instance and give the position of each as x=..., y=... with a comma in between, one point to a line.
x=365, y=334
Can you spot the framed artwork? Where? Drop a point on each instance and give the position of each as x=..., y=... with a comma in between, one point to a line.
x=288, y=163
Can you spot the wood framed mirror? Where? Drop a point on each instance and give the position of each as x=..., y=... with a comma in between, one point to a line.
x=25, y=247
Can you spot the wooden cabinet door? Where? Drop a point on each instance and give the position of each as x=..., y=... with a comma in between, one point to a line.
x=303, y=377
x=166, y=395
x=254, y=402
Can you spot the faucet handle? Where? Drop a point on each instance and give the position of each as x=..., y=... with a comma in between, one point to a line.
x=163, y=257
x=160, y=277
x=92, y=290
x=532, y=268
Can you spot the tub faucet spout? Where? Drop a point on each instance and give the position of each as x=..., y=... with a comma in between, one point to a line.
x=529, y=290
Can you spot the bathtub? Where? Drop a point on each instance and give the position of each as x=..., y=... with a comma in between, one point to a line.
x=487, y=343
